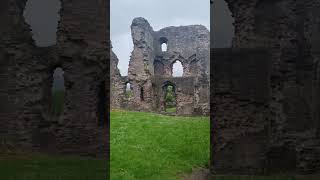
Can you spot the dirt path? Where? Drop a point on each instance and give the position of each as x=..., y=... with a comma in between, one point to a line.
x=197, y=174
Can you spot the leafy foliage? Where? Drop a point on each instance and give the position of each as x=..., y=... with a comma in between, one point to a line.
x=170, y=97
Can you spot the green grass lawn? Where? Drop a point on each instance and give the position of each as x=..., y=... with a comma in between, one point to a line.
x=146, y=146
x=44, y=167
x=171, y=110
x=143, y=146
x=280, y=177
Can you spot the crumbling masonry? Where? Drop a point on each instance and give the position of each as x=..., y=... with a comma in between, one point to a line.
x=265, y=90
x=82, y=51
x=150, y=69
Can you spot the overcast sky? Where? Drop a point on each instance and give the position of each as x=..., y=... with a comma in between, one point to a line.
x=222, y=30
x=159, y=13
x=43, y=17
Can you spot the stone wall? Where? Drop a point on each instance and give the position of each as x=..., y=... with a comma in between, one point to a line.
x=117, y=83
x=240, y=111
x=26, y=79
x=280, y=131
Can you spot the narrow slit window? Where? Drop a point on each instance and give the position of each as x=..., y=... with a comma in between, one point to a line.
x=141, y=94
x=128, y=90
x=164, y=47
x=57, y=92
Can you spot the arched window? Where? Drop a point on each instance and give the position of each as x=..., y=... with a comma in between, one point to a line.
x=177, y=69
x=57, y=92
x=43, y=17
x=164, y=44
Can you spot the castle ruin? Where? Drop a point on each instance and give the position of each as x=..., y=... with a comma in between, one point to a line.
x=150, y=69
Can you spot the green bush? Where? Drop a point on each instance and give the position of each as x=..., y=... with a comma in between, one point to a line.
x=170, y=96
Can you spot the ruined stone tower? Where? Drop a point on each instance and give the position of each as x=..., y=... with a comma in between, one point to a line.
x=150, y=68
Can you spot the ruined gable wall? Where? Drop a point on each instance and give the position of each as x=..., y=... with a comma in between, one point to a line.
x=189, y=45
x=185, y=43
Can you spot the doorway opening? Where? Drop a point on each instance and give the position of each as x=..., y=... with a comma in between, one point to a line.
x=170, y=102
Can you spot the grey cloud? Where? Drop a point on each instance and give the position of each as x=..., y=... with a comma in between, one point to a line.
x=160, y=14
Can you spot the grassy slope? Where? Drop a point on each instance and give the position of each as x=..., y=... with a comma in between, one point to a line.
x=151, y=146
